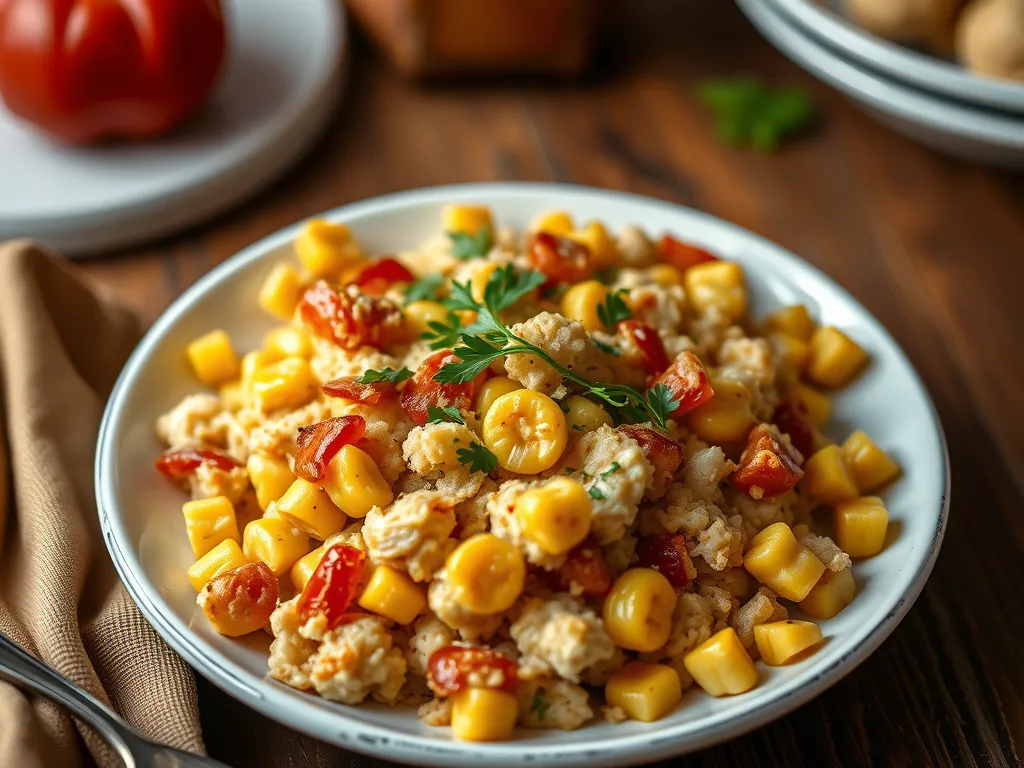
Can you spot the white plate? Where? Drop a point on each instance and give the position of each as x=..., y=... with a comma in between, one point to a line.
x=143, y=529
x=959, y=129
x=930, y=73
x=284, y=75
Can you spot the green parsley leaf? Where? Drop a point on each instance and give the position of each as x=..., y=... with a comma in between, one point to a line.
x=507, y=285
x=661, y=404
x=478, y=458
x=427, y=287
x=449, y=414
x=475, y=355
x=611, y=468
x=595, y=492
x=465, y=246
x=443, y=335
x=750, y=113
x=606, y=347
x=461, y=297
x=385, y=374
x=539, y=706
x=614, y=310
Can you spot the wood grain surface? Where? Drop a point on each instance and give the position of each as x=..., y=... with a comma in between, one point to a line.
x=933, y=246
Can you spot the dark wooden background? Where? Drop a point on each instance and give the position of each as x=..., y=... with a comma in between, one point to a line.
x=932, y=245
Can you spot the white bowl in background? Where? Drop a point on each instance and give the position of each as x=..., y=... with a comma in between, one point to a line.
x=141, y=520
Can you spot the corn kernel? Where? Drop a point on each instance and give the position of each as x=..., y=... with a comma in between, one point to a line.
x=393, y=595
x=233, y=395
x=556, y=516
x=555, y=222
x=209, y=522
x=818, y=404
x=223, y=557
x=420, y=314
x=780, y=562
x=484, y=714
x=638, y=610
x=288, y=341
x=725, y=418
x=870, y=466
x=584, y=415
x=780, y=641
x=795, y=321
x=325, y=249
x=666, y=275
x=270, y=477
x=717, y=285
x=834, y=591
x=645, y=692
x=355, y=484
x=491, y=391
x=835, y=358
x=861, y=525
x=254, y=362
x=526, y=431
x=275, y=542
x=213, y=359
x=467, y=219
x=790, y=350
x=600, y=245
x=826, y=477
x=305, y=566
x=721, y=665
x=582, y=301
x=281, y=292
x=310, y=509
x=287, y=384
x=478, y=282
x=486, y=573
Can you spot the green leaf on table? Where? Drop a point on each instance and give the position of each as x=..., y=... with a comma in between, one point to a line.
x=749, y=113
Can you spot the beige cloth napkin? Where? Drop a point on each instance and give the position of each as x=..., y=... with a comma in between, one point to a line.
x=61, y=348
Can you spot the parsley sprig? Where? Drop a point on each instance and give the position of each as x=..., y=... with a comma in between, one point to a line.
x=449, y=414
x=385, y=374
x=478, y=458
x=467, y=246
x=750, y=113
x=427, y=287
x=614, y=309
x=540, y=706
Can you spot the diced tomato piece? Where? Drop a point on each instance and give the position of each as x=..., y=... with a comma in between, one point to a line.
x=666, y=553
x=767, y=466
x=241, y=600
x=422, y=391
x=791, y=418
x=449, y=669
x=318, y=443
x=381, y=275
x=664, y=454
x=560, y=258
x=333, y=585
x=586, y=567
x=688, y=382
x=178, y=465
x=349, y=318
x=364, y=394
x=681, y=255
x=648, y=341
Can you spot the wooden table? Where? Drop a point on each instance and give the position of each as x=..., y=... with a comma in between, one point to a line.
x=933, y=246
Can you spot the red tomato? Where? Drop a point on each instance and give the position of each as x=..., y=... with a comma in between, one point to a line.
x=333, y=585
x=560, y=258
x=178, y=465
x=349, y=318
x=648, y=341
x=586, y=567
x=791, y=418
x=449, y=668
x=664, y=454
x=666, y=553
x=86, y=70
x=766, y=464
x=318, y=443
x=422, y=391
x=681, y=255
x=381, y=275
x=364, y=394
x=688, y=382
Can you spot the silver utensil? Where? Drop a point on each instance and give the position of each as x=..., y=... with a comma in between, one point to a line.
x=19, y=667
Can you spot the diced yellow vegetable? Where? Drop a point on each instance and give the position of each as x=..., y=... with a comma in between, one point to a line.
x=818, y=404
x=287, y=384
x=483, y=714
x=582, y=301
x=281, y=292
x=393, y=595
x=526, y=430
x=234, y=395
x=638, y=610
x=420, y=314
x=645, y=692
x=275, y=542
x=556, y=515
x=288, y=341
x=834, y=591
x=223, y=557
x=309, y=508
x=254, y=362
x=213, y=359
x=861, y=525
x=270, y=477
x=721, y=665
x=304, y=567
x=780, y=562
x=555, y=222
x=209, y=522
x=790, y=350
x=584, y=415
x=719, y=286
x=325, y=249
x=666, y=275
x=478, y=282
x=595, y=237
x=835, y=357
x=486, y=573
x=870, y=466
x=725, y=418
x=491, y=391
x=467, y=219
x=780, y=641
x=826, y=477
x=354, y=482
x=795, y=321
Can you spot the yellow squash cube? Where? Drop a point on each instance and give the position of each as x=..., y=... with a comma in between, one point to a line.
x=835, y=357
x=582, y=301
x=288, y=384
x=233, y=395
x=600, y=245
x=213, y=359
x=666, y=275
x=288, y=341
x=818, y=404
x=467, y=219
x=209, y=522
x=645, y=692
x=483, y=714
x=790, y=350
x=584, y=415
x=393, y=595
x=275, y=542
x=355, y=484
x=420, y=314
x=305, y=566
x=325, y=249
x=870, y=466
x=309, y=508
x=725, y=418
x=861, y=525
x=554, y=222
x=491, y=391
x=833, y=592
x=281, y=292
x=780, y=641
x=478, y=280
x=826, y=477
x=721, y=665
x=719, y=286
x=270, y=477
x=780, y=562
x=254, y=362
x=224, y=557
x=795, y=321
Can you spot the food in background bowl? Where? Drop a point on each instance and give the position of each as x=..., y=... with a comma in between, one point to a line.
x=501, y=473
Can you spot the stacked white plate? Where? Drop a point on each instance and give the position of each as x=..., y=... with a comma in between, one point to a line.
x=927, y=98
